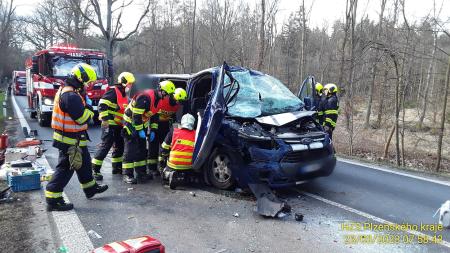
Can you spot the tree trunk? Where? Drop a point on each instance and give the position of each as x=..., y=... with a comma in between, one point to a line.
x=397, y=110
x=193, y=39
x=262, y=37
x=427, y=84
x=374, y=67
x=302, y=62
x=388, y=143
x=380, y=103
x=444, y=111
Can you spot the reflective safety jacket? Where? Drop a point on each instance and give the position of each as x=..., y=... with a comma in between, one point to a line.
x=166, y=111
x=182, y=142
x=111, y=106
x=139, y=111
x=330, y=111
x=70, y=117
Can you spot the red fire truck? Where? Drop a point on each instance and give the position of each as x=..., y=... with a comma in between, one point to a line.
x=47, y=69
x=18, y=82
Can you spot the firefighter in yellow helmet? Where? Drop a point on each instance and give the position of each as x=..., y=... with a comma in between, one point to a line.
x=330, y=108
x=318, y=101
x=161, y=123
x=71, y=114
x=111, y=108
x=137, y=121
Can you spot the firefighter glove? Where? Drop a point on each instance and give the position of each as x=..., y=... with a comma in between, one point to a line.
x=142, y=134
x=88, y=101
x=151, y=137
x=105, y=124
x=75, y=157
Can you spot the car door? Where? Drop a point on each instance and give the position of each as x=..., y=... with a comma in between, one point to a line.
x=211, y=121
x=307, y=92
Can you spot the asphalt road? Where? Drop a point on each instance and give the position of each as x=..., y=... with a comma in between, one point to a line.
x=206, y=222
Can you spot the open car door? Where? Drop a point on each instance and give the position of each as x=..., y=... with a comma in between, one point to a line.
x=210, y=122
x=307, y=92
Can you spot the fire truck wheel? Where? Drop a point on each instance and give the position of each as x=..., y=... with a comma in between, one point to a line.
x=43, y=118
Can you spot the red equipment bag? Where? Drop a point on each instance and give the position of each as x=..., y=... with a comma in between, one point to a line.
x=144, y=244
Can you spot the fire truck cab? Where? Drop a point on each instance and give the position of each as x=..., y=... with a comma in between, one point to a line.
x=47, y=69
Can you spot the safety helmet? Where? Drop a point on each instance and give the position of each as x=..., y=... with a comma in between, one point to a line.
x=167, y=86
x=331, y=88
x=319, y=88
x=180, y=94
x=84, y=72
x=126, y=78
x=187, y=121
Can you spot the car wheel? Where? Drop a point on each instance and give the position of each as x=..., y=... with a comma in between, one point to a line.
x=218, y=170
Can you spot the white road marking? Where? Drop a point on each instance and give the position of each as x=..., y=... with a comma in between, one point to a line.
x=73, y=234
x=394, y=172
x=369, y=216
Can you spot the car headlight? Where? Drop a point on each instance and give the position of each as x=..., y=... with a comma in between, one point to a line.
x=48, y=101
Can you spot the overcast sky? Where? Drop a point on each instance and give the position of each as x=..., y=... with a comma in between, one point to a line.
x=324, y=12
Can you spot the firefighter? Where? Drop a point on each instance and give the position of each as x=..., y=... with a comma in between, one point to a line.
x=71, y=114
x=111, y=108
x=318, y=102
x=330, y=108
x=176, y=152
x=162, y=122
x=137, y=120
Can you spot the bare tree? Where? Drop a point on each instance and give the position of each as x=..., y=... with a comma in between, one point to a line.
x=111, y=32
x=262, y=34
x=374, y=65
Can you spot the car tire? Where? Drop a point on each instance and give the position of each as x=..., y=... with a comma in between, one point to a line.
x=217, y=170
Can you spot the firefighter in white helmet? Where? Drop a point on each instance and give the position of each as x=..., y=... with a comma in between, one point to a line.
x=177, y=150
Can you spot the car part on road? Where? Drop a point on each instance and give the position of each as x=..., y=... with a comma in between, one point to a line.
x=298, y=217
x=267, y=203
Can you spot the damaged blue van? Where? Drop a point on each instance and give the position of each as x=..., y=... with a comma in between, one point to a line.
x=252, y=129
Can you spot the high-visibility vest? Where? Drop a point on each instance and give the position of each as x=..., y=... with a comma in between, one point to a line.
x=165, y=110
x=62, y=121
x=183, y=142
x=147, y=113
x=122, y=103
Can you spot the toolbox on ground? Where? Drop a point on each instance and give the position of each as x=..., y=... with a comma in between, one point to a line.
x=25, y=181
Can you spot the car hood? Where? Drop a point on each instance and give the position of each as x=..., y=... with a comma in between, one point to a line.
x=284, y=118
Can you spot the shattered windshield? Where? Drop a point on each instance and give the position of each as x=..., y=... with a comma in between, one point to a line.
x=63, y=65
x=260, y=95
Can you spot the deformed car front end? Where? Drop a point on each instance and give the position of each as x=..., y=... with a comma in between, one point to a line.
x=255, y=130
x=279, y=155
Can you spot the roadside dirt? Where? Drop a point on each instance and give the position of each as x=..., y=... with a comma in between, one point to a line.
x=24, y=225
x=420, y=144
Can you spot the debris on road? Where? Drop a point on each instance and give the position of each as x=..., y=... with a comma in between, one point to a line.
x=130, y=189
x=298, y=217
x=236, y=215
x=192, y=194
x=267, y=203
x=130, y=217
x=5, y=195
x=94, y=234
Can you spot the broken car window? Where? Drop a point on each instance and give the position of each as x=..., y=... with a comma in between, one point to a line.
x=261, y=95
